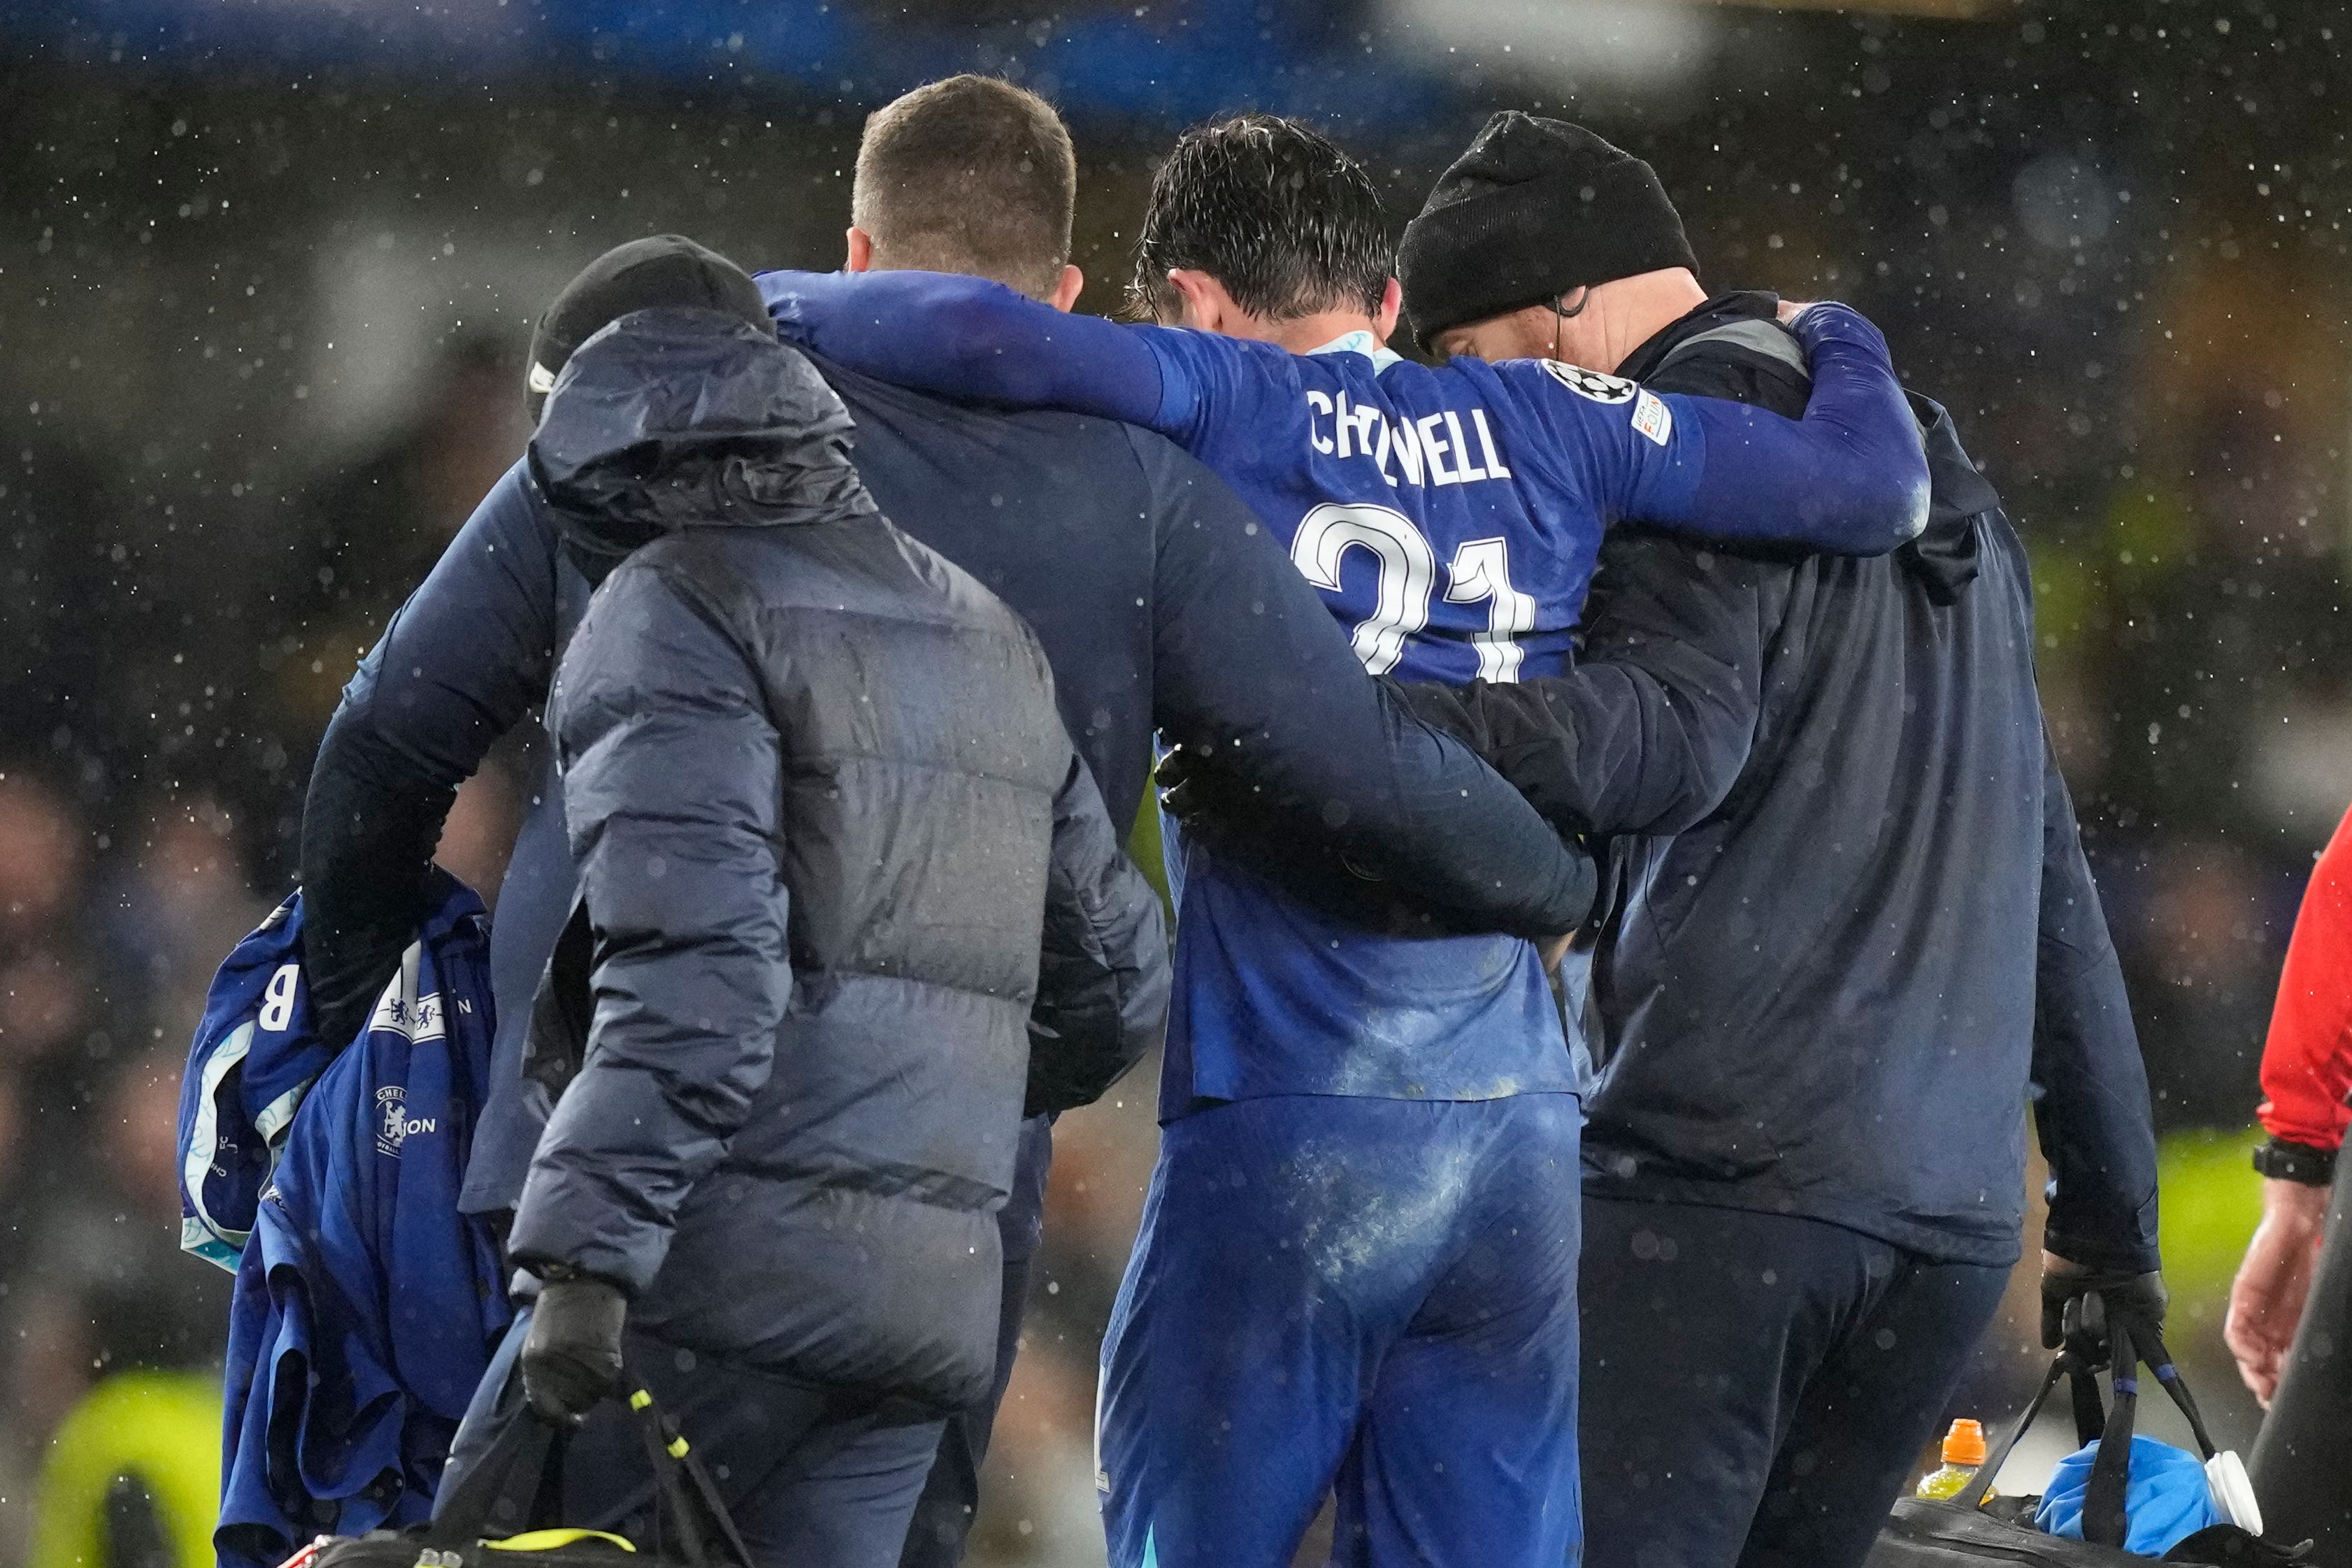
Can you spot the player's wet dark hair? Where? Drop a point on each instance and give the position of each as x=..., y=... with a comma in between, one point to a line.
x=1284, y=219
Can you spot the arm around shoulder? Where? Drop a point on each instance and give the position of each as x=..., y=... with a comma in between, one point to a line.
x=963, y=336
x=1851, y=477
x=1259, y=685
x=461, y=663
x=1651, y=728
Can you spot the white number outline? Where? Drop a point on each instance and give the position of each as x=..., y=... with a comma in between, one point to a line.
x=1408, y=572
x=1481, y=569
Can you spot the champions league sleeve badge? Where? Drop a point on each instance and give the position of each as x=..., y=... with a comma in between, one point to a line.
x=1591, y=383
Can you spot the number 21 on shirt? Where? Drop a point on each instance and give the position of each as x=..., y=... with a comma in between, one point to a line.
x=1481, y=569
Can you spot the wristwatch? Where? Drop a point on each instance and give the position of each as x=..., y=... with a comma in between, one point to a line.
x=2295, y=1162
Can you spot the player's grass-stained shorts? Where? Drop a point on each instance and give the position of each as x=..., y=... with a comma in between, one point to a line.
x=1375, y=1296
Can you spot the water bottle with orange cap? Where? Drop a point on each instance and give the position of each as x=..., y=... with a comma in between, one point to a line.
x=1964, y=1451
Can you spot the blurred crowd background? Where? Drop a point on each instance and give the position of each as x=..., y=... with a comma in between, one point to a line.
x=268, y=269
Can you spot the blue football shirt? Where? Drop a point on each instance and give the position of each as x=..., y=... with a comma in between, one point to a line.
x=1450, y=517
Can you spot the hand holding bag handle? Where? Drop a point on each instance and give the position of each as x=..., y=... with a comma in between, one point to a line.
x=497, y=1493
x=2080, y=1363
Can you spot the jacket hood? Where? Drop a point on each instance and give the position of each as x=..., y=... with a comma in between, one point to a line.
x=680, y=418
x=1944, y=556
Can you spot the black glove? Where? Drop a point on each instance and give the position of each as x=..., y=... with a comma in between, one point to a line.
x=1216, y=801
x=2084, y=1309
x=1225, y=811
x=572, y=1357
x=1288, y=842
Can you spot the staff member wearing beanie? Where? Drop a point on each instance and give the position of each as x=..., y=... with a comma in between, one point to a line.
x=1849, y=929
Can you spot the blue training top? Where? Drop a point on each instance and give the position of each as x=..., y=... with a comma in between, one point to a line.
x=1451, y=517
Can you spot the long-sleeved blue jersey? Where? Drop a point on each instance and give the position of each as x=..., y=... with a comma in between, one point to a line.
x=366, y=1305
x=1451, y=517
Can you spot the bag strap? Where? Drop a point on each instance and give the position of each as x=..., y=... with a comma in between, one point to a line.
x=500, y=1486
x=503, y=1484
x=2090, y=1410
x=2167, y=1376
x=2104, y=1519
x=1757, y=336
x=688, y=1494
x=1980, y=1485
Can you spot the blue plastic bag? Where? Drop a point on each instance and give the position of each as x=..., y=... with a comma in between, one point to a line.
x=2166, y=1499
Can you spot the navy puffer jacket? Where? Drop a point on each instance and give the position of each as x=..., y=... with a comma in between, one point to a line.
x=827, y=819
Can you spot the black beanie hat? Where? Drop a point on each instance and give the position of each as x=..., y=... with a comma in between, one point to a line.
x=643, y=274
x=1535, y=208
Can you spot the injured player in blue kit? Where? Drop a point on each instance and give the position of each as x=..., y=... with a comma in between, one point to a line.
x=1451, y=517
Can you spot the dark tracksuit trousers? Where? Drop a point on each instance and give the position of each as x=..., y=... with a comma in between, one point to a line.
x=845, y=1504
x=1757, y=1385
x=810, y=1475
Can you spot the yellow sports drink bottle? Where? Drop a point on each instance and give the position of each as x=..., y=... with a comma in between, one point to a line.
x=1964, y=1451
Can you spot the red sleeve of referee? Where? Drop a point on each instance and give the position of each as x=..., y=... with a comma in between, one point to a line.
x=2307, y=1061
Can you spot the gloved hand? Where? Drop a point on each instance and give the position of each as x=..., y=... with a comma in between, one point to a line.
x=2083, y=1309
x=572, y=1356
x=1225, y=811
x=1222, y=811
x=1211, y=797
